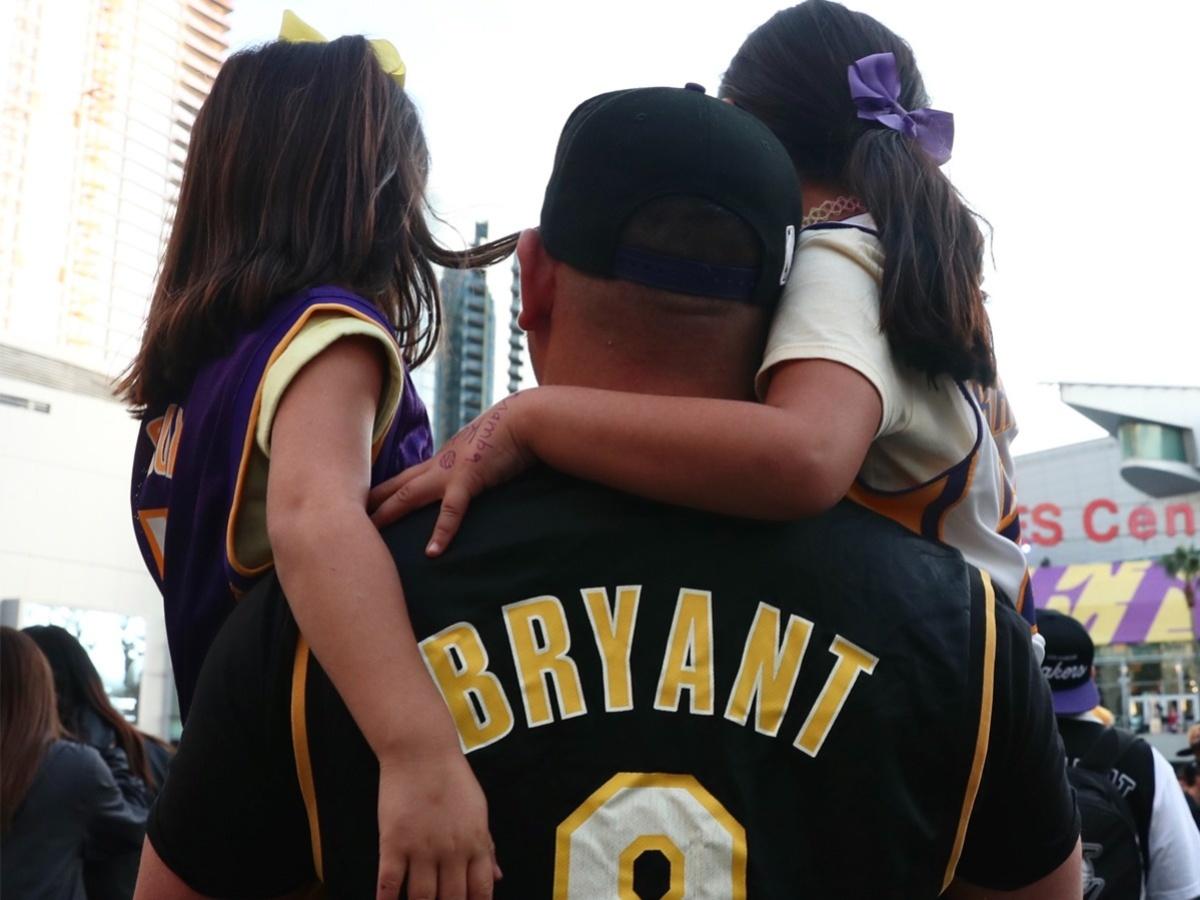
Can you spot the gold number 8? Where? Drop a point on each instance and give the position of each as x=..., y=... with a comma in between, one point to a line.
x=633, y=813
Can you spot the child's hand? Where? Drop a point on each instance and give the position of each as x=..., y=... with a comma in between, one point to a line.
x=488, y=452
x=433, y=830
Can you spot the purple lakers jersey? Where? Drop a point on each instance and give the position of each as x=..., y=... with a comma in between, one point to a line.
x=202, y=444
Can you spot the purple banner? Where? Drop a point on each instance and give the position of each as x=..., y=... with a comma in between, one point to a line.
x=1133, y=602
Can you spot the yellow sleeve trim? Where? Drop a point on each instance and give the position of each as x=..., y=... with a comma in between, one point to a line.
x=250, y=540
x=316, y=336
x=248, y=442
x=983, y=735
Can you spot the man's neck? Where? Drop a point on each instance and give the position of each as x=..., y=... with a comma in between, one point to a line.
x=813, y=194
x=639, y=381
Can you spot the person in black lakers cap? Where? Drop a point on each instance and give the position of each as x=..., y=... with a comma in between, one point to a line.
x=656, y=701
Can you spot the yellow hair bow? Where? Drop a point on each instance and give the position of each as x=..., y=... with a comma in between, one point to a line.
x=296, y=31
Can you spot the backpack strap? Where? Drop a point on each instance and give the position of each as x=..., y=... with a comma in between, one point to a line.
x=1101, y=758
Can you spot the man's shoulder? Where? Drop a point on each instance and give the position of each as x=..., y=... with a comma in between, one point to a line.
x=72, y=754
x=551, y=508
x=547, y=528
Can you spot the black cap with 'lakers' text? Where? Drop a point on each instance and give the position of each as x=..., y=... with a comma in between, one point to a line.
x=621, y=150
x=1068, y=663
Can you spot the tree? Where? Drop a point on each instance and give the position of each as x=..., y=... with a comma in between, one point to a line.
x=1184, y=563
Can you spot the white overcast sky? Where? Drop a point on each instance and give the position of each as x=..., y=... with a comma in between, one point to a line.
x=1075, y=137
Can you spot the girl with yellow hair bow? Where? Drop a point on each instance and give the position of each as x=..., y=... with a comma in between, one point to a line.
x=296, y=290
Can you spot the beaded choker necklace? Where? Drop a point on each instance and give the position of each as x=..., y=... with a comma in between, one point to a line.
x=835, y=210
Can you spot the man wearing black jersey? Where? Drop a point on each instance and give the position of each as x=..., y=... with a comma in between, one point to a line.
x=657, y=702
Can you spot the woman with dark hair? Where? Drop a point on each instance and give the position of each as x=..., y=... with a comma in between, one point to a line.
x=272, y=385
x=878, y=380
x=85, y=711
x=87, y=715
x=59, y=800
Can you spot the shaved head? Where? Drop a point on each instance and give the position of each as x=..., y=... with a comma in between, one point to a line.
x=636, y=337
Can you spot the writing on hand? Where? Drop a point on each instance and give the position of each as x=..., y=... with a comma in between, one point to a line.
x=488, y=429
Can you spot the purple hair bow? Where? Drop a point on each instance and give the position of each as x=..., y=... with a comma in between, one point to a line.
x=875, y=89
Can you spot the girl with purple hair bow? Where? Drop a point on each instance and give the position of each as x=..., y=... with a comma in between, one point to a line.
x=878, y=381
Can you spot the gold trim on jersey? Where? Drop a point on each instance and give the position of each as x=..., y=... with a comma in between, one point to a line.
x=1025, y=595
x=985, y=726
x=904, y=507
x=147, y=519
x=925, y=508
x=304, y=773
x=993, y=403
x=251, y=424
x=650, y=842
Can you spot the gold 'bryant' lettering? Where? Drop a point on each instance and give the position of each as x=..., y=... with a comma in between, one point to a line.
x=687, y=665
x=539, y=640
x=614, y=640
x=542, y=657
x=768, y=672
x=457, y=660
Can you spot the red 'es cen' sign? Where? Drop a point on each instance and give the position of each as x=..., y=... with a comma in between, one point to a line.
x=1104, y=521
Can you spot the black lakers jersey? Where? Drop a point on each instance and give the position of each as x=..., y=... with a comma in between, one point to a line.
x=659, y=702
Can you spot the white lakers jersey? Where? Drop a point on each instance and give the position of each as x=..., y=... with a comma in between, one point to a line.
x=940, y=464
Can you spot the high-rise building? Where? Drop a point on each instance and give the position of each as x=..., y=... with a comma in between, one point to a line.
x=516, y=337
x=464, y=366
x=98, y=101
x=424, y=379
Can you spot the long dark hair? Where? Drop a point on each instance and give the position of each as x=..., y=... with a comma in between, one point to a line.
x=79, y=689
x=28, y=720
x=791, y=73
x=307, y=165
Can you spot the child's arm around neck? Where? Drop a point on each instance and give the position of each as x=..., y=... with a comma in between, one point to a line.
x=795, y=455
x=792, y=456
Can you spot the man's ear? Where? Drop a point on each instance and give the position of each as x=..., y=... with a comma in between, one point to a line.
x=537, y=281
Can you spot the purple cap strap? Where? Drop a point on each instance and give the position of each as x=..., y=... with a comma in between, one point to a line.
x=684, y=276
x=875, y=89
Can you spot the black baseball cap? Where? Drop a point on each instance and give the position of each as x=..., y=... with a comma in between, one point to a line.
x=1070, y=654
x=623, y=149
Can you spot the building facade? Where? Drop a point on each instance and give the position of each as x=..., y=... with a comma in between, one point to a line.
x=99, y=98
x=1096, y=519
x=67, y=551
x=424, y=379
x=516, y=337
x=465, y=358
x=98, y=104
